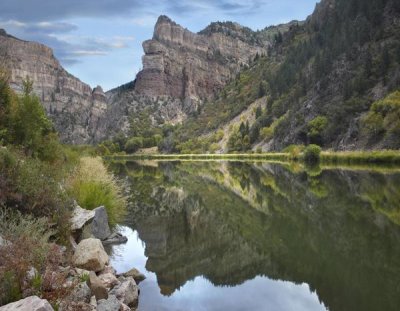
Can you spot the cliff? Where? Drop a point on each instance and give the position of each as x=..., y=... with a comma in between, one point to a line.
x=192, y=67
x=72, y=105
x=331, y=81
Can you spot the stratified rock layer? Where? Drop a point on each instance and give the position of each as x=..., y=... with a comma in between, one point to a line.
x=72, y=105
x=181, y=64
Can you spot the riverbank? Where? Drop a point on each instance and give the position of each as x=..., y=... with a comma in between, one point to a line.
x=383, y=157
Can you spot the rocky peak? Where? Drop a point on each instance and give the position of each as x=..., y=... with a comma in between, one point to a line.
x=192, y=67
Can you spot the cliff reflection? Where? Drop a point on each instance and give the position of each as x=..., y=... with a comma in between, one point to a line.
x=336, y=230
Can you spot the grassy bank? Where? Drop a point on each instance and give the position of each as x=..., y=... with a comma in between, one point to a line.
x=361, y=157
x=383, y=157
x=284, y=157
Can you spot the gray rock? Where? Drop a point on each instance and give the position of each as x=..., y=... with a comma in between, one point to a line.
x=108, y=269
x=111, y=304
x=81, y=292
x=127, y=292
x=124, y=307
x=90, y=255
x=136, y=274
x=80, y=217
x=97, y=287
x=115, y=238
x=100, y=228
x=109, y=280
x=32, y=303
x=93, y=302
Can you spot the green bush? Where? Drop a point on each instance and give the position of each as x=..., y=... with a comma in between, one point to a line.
x=294, y=151
x=134, y=144
x=316, y=127
x=312, y=153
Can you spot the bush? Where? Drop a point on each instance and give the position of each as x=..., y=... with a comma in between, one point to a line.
x=312, y=153
x=294, y=151
x=316, y=127
x=92, y=186
x=134, y=144
x=27, y=246
x=33, y=186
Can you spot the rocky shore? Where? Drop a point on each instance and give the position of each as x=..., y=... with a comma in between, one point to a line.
x=91, y=283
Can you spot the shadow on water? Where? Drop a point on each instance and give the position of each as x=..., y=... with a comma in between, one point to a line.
x=336, y=230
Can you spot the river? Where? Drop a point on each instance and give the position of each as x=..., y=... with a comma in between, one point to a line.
x=261, y=236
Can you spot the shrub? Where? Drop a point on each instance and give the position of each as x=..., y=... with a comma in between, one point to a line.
x=383, y=116
x=316, y=127
x=92, y=186
x=33, y=186
x=27, y=246
x=134, y=144
x=294, y=151
x=312, y=153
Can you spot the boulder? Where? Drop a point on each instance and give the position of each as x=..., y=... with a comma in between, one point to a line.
x=90, y=255
x=127, y=292
x=124, y=307
x=110, y=304
x=80, y=217
x=100, y=228
x=32, y=303
x=109, y=280
x=136, y=274
x=108, y=269
x=81, y=292
x=93, y=302
x=97, y=287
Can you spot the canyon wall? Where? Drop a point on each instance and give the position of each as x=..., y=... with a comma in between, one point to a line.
x=75, y=109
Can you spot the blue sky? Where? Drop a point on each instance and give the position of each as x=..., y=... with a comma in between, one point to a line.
x=100, y=41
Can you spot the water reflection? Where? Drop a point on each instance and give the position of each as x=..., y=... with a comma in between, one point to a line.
x=239, y=236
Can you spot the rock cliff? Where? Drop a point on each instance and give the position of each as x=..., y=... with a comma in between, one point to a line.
x=192, y=67
x=73, y=106
x=182, y=70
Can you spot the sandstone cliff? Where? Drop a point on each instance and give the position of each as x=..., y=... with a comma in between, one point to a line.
x=73, y=106
x=182, y=70
x=193, y=67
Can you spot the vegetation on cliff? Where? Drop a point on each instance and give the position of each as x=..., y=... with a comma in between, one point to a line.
x=319, y=82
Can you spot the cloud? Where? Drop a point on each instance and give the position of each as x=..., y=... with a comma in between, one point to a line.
x=145, y=21
x=68, y=47
x=38, y=10
x=89, y=53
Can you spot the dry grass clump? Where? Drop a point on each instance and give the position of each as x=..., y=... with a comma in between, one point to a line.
x=92, y=186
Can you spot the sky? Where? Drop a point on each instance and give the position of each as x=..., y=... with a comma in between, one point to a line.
x=100, y=41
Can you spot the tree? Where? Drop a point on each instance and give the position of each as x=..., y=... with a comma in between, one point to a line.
x=316, y=128
x=258, y=112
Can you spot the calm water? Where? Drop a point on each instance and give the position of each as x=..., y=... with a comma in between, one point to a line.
x=243, y=236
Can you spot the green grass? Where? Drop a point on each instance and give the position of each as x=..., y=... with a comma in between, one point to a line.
x=284, y=157
x=361, y=157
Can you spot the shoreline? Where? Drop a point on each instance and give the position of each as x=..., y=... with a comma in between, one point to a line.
x=381, y=158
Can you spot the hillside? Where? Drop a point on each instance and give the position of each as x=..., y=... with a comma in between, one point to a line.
x=325, y=81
